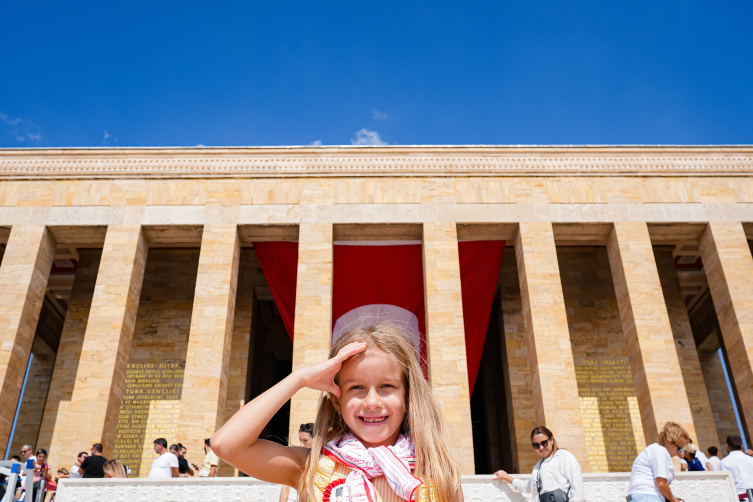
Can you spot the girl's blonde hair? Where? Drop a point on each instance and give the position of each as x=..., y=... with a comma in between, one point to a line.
x=423, y=419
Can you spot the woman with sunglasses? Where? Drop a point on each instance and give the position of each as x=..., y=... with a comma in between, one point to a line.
x=556, y=477
x=652, y=470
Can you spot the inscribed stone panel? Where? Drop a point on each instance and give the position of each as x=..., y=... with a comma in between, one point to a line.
x=614, y=432
x=150, y=407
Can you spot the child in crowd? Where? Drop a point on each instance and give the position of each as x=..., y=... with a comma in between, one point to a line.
x=378, y=433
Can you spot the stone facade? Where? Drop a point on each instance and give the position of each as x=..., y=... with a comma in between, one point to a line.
x=596, y=342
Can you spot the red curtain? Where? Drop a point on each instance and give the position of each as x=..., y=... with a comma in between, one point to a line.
x=366, y=275
x=279, y=262
x=479, y=268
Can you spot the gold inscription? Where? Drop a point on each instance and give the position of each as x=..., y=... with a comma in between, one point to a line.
x=608, y=408
x=149, y=410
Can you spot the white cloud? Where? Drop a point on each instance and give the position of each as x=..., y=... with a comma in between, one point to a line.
x=21, y=130
x=200, y=145
x=366, y=137
x=379, y=115
x=316, y=143
x=8, y=120
x=109, y=139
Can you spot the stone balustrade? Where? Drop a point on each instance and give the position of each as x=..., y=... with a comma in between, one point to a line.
x=691, y=487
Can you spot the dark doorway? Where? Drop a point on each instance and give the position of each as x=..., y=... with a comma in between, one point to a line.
x=270, y=361
x=492, y=448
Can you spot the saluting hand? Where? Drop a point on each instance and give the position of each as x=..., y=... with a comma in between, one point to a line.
x=322, y=376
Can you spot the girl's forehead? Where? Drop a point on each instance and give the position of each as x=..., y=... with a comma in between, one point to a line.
x=369, y=361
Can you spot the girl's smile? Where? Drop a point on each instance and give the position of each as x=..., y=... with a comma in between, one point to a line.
x=373, y=397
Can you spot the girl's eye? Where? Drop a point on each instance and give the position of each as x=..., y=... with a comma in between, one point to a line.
x=355, y=387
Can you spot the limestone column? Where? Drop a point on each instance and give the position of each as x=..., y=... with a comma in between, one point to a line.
x=445, y=337
x=695, y=387
x=24, y=272
x=100, y=378
x=313, y=314
x=555, y=389
x=656, y=368
x=248, y=267
x=729, y=269
x=202, y=404
x=67, y=359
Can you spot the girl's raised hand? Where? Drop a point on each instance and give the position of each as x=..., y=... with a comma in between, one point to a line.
x=322, y=376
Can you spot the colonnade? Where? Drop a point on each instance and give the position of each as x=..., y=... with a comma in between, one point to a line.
x=92, y=414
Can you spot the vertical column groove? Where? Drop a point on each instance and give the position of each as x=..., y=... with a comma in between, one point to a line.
x=729, y=269
x=690, y=364
x=100, y=378
x=202, y=406
x=651, y=346
x=445, y=337
x=555, y=389
x=313, y=313
x=24, y=273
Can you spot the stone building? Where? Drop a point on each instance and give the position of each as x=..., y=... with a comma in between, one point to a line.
x=135, y=280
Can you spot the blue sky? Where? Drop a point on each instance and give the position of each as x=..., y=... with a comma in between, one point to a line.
x=164, y=73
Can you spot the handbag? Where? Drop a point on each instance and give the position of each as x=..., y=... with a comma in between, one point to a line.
x=552, y=496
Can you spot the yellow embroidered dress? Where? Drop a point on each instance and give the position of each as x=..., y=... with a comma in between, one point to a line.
x=330, y=475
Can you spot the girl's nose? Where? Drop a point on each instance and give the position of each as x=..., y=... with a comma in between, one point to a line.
x=373, y=400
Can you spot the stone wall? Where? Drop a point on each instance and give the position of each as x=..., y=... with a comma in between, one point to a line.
x=154, y=377
x=517, y=373
x=67, y=359
x=609, y=405
x=718, y=392
x=35, y=395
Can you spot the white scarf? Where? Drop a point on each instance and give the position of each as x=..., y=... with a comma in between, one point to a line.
x=395, y=463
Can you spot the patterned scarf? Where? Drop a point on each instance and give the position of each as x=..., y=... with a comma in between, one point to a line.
x=395, y=463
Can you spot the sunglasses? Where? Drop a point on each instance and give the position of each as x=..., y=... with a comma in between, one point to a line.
x=542, y=444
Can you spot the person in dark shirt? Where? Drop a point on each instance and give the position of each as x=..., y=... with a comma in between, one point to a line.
x=184, y=470
x=92, y=467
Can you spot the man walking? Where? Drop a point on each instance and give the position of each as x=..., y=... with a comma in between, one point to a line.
x=93, y=465
x=166, y=465
x=740, y=465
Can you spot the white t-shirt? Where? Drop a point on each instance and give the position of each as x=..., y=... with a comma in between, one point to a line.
x=75, y=472
x=716, y=463
x=161, y=467
x=741, y=467
x=653, y=462
x=702, y=457
x=561, y=471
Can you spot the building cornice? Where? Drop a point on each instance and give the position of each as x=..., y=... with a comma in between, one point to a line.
x=376, y=161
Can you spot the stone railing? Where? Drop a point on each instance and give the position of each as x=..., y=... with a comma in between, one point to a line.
x=691, y=487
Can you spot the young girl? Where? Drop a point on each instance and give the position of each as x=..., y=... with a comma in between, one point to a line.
x=378, y=434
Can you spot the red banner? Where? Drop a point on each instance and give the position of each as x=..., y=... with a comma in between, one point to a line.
x=279, y=262
x=391, y=275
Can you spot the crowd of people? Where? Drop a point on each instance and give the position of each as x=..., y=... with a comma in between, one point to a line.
x=557, y=476
x=170, y=463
